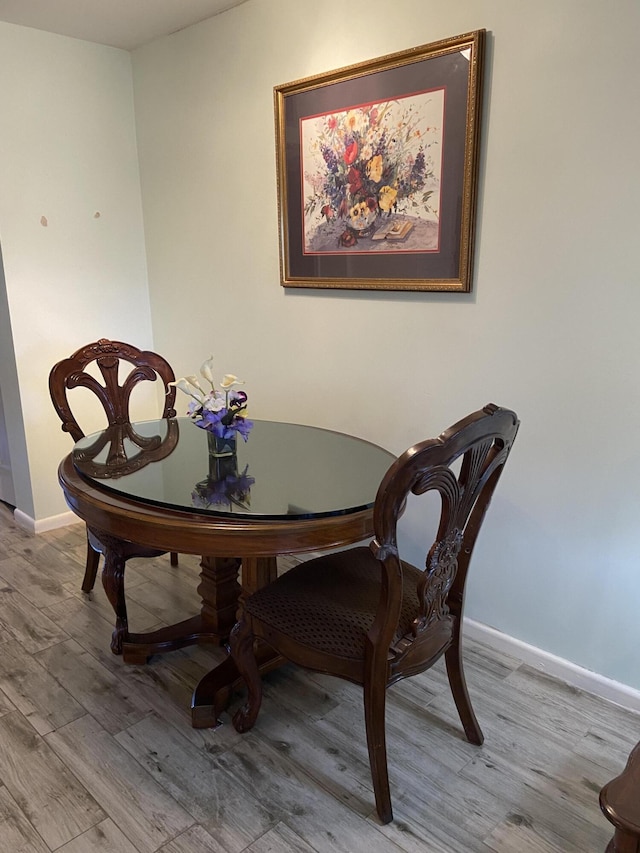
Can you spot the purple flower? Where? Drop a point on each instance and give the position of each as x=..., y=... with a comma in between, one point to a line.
x=237, y=398
x=243, y=426
x=215, y=422
x=212, y=422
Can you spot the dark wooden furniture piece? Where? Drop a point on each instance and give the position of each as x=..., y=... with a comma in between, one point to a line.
x=367, y=616
x=313, y=489
x=114, y=396
x=620, y=803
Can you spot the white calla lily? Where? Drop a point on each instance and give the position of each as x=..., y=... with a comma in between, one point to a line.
x=229, y=380
x=193, y=380
x=207, y=370
x=187, y=387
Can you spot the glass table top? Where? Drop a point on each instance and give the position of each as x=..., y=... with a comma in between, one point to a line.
x=282, y=471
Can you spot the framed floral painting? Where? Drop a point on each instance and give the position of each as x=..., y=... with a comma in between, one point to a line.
x=377, y=171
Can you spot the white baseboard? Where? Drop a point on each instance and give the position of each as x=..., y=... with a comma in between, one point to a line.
x=52, y=523
x=564, y=670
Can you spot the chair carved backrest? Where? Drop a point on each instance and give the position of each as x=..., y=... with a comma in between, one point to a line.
x=114, y=397
x=483, y=440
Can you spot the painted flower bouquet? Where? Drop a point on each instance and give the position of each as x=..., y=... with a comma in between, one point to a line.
x=220, y=410
x=373, y=161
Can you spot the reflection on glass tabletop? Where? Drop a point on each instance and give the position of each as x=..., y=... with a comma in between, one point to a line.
x=281, y=471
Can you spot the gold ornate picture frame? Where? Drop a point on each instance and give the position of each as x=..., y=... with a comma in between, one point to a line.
x=377, y=171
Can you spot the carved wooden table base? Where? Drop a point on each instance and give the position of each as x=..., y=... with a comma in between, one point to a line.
x=213, y=692
x=120, y=522
x=219, y=590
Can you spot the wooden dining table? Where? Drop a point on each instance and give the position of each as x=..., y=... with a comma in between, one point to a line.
x=288, y=489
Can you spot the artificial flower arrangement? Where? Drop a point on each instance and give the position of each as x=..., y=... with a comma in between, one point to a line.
x=221, y=410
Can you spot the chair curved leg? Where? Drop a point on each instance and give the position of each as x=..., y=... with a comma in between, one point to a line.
x=91, y=567
x=113, y=583
x=241, y=645
x=173, y=558
x=374, y=705
x=458, y=684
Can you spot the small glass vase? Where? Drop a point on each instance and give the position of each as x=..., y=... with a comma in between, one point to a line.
x=220, y=447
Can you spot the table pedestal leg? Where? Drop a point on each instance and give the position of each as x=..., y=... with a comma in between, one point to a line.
x=218, y=590
x=213, y=692
x=256, y=573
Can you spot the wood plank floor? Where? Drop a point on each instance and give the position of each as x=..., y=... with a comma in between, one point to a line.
x=100, y=757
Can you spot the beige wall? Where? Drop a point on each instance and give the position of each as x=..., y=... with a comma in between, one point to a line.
x=549, y=330
x=67, y=152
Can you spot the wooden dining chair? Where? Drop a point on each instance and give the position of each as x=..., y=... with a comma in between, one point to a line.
x=368, y=616
x=114, y=396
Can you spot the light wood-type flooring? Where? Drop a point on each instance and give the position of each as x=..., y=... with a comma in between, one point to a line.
x=100, y=757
